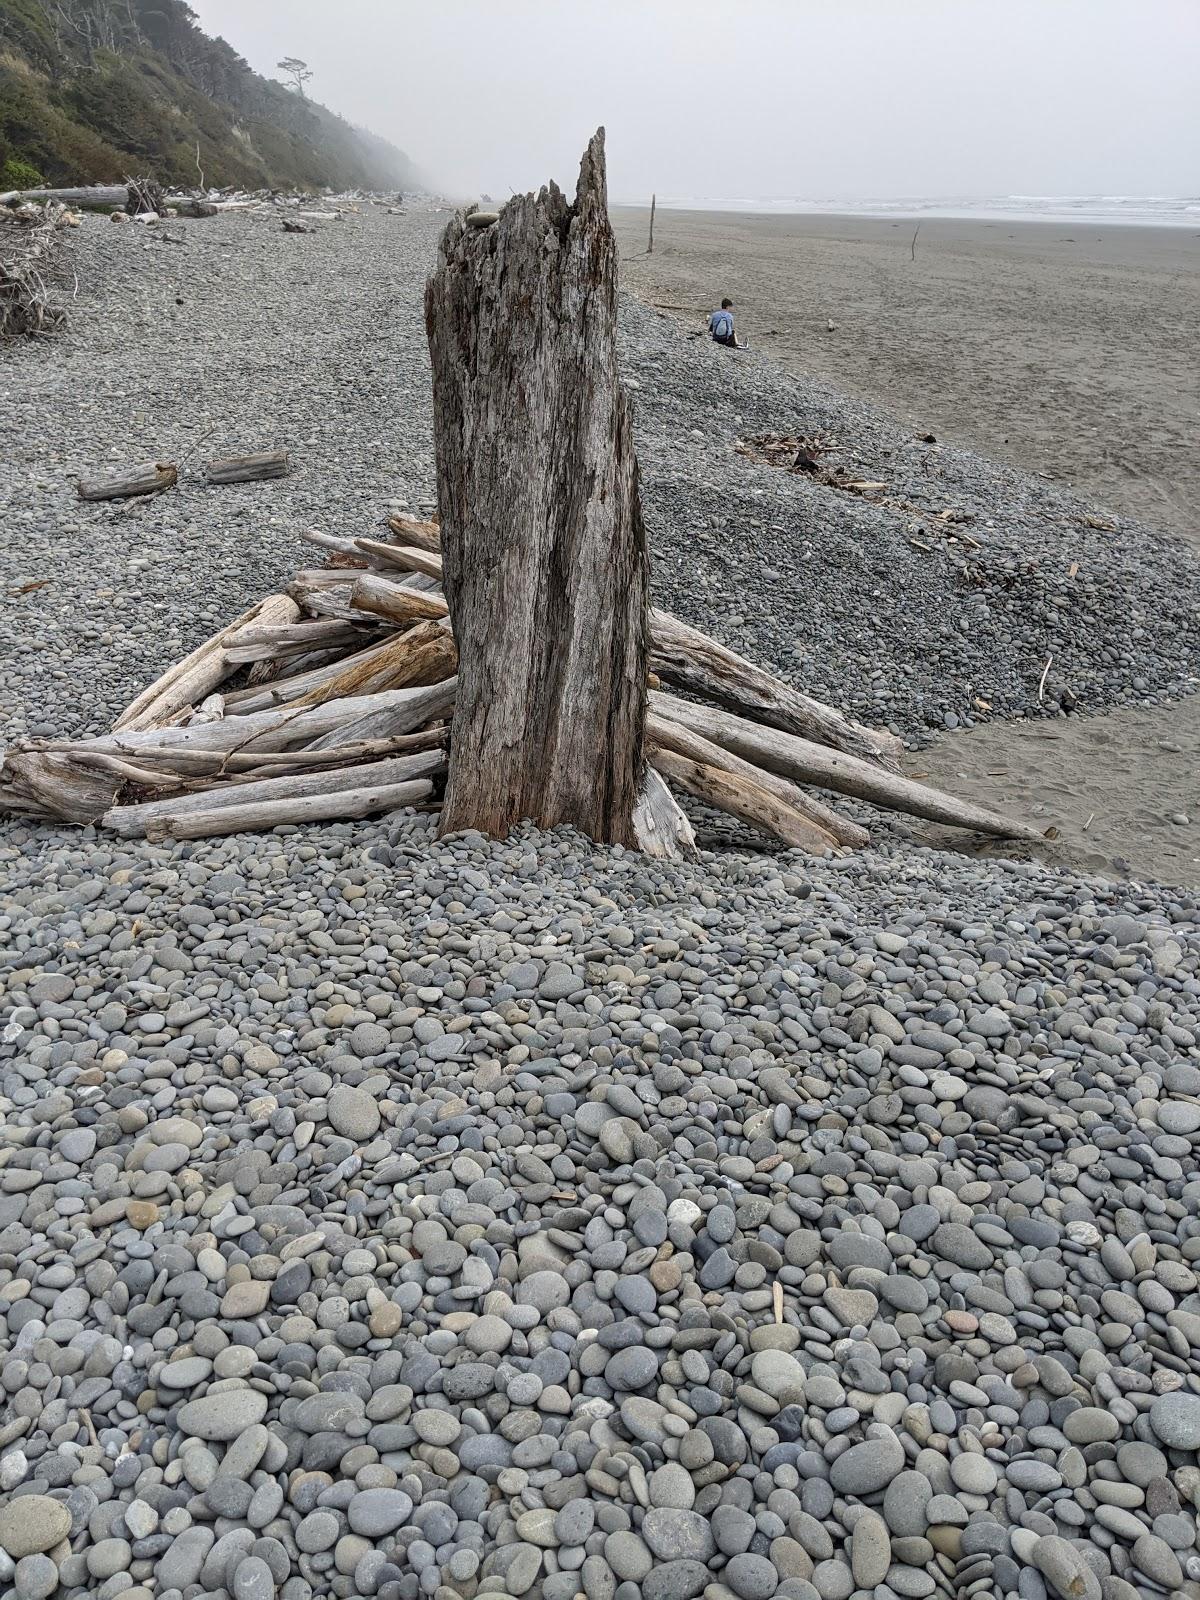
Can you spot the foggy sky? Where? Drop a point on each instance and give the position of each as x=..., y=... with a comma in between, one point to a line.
x=821, y=99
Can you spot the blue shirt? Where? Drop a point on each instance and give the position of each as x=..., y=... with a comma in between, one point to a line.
x=721, y=324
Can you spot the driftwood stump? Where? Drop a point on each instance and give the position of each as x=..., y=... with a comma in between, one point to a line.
x=541, y=525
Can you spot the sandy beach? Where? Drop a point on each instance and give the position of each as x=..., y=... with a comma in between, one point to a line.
x=1066, y=350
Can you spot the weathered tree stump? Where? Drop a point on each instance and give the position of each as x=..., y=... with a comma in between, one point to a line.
x=541, y=526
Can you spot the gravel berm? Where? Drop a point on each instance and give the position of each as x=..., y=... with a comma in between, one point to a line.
x=387, y=1216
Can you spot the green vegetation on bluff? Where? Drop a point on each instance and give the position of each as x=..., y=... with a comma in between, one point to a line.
x=92, y=90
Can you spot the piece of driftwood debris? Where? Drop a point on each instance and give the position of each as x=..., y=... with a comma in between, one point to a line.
x=659, y=824
x=248, y=469
x=397, y=603
x=417, y=535
x=805, y=762
x=266, y=642
x=196, y=208
x=150, y=477
x=424, y=654
x=408, y=558
x=541, y=527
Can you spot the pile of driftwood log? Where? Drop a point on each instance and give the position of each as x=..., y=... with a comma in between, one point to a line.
x=334, y=700
x=505, y=662
x=27, y=234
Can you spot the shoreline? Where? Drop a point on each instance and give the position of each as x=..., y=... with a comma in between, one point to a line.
x=762, y=209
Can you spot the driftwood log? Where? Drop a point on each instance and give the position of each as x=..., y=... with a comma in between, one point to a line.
x=546, y=571
x=137, y=821
x=151, y=477
x=248, y=469
x=112, y=194
x=345, y=805
x=805, y=762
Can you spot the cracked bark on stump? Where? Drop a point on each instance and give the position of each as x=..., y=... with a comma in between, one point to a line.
x=541, y=526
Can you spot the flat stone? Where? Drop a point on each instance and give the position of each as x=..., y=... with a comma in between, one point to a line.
x=353, y=1113
x=377, y=1512
x=1066, y=1573
x=675, y=1535
x=866, y=1468
x=221, y=1415
x=32, y=1524
x=1175, y=1419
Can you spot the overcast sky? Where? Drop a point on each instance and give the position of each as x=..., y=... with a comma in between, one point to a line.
x=759, y=99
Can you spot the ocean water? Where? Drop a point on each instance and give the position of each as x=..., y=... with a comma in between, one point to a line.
x=1152, y=210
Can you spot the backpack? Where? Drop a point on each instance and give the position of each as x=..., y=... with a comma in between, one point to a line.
x=721, y=324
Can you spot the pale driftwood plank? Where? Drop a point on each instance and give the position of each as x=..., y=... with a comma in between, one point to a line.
x=805, y=762
x=388, y=713
x=659, y=825
x=398, y=603
x=406, y=557
x=541, y=525
x=416, y=535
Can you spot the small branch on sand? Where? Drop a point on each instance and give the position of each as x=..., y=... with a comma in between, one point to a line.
x=1045, y=675
x=913, y=246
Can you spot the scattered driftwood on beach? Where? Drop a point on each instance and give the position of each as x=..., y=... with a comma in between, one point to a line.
x=153, y=477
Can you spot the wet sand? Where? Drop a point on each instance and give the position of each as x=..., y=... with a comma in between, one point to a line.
x=1068, y=350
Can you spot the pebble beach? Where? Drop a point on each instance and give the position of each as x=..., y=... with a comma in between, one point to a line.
x=391, y=1216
